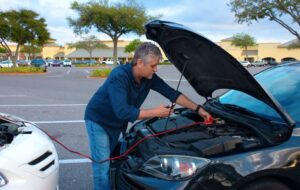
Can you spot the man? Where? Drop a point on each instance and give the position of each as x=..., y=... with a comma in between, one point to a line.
x=118, y=101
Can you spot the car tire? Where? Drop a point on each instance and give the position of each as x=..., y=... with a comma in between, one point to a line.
x=264, y=184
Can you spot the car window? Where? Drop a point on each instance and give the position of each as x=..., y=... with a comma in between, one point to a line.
x=282, y=82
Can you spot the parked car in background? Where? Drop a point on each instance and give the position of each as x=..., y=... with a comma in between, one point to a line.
x=49, y=62
x=67, y=63
x=39, y=63
x=56, y=63
x=272, y=62
x=90, y=62
x=6, y=63
x=245, y=63
x=110, y=61
x=259, y=63
x=287, y=61
x=28, y=158
x=252, y=144
x=23, y=63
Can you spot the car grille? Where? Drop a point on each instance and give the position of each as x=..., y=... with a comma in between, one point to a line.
x=41, y=159
x=47, y=166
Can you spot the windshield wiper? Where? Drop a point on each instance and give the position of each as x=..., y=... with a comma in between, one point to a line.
x=246, y=111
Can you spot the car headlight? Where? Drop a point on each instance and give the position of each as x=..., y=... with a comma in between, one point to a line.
x=174, y=167
x=3, y=180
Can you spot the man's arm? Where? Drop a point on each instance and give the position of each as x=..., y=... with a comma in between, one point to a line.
x=188, y=103
x=160, y=111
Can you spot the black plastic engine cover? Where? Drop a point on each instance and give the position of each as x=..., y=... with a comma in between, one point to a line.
x=216, y=145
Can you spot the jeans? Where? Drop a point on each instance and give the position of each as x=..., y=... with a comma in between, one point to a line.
x=100, y=150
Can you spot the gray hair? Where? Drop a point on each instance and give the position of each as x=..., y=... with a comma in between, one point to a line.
x=146, y=50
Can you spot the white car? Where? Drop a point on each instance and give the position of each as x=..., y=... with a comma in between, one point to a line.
x=67, y=63
x=6, y=63
x=28, y=159
x=49, y=62
x=110, y=61
x=245, y=63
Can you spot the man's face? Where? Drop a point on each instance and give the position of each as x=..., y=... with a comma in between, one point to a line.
x=150, y=67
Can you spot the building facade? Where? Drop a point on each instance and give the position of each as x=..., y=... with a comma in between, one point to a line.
x=261, y=51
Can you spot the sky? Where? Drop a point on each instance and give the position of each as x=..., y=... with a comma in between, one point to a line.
x=211, y=18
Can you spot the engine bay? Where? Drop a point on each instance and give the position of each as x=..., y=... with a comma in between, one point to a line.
x=8, y=130
x=7, y=133
x=190, y=137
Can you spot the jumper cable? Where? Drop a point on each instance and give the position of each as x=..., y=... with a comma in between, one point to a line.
x=208, y=122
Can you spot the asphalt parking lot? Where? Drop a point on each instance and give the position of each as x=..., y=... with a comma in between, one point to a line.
x=56, y=102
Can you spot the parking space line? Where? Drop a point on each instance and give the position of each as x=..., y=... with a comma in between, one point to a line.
x=74, y=161
x=68, y=72
x=11, y=95
x=56, y=122
x=55, y=76
x=173, y=80
x=42, y=105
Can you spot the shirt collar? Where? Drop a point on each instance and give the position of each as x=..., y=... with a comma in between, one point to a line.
x=129, y=68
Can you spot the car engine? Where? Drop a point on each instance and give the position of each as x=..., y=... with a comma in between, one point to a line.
x=203, y=140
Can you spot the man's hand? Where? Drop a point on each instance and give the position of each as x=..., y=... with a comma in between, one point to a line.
x=163, y=111
x=206, y=116
x=160, y=111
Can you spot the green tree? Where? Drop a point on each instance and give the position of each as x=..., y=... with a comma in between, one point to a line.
x=89, y=44
x=244, y=41
x=2, y=50
x=31, y=49
x=132, y=45
x=113, y=20
x=274, y=10
x=22, y=26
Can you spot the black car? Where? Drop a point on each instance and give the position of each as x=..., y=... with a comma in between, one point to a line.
x=57, y=63
x=272, y=62
x=253, y=143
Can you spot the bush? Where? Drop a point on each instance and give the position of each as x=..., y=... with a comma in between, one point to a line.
x=88, y=65
x=165, y=63
x=22, y=70
x=100, y=72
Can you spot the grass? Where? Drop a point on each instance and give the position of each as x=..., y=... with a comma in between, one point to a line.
x=103, y=72
x=22, y=70
x=165, y=63
x=89, y=65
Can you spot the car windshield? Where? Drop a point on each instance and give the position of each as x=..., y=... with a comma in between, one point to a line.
x=282, y=82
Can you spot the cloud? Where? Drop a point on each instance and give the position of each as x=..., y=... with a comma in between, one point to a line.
x=213, y=19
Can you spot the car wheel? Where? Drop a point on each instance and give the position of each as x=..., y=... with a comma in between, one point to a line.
x=264, y=184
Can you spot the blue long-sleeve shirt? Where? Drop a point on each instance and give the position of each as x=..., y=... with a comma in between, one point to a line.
x=118, y=100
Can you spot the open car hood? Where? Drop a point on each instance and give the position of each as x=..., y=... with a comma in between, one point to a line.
x=205, y=65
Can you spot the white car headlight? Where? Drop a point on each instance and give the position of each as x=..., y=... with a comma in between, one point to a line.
x=174, y=167
x=3, y=180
